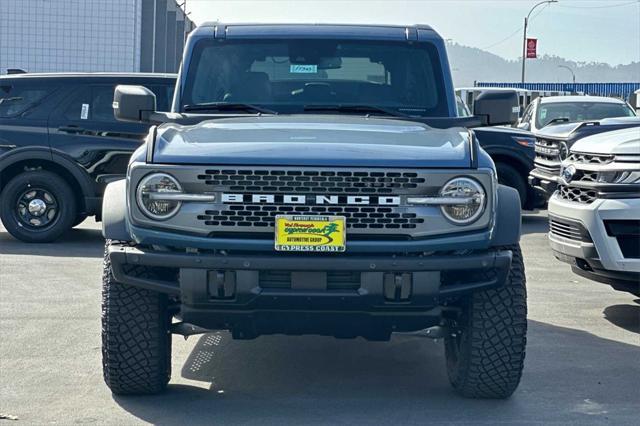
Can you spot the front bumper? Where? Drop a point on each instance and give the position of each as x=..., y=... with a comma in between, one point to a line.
x=595, y=253
x=543, y=183
x=341, y=295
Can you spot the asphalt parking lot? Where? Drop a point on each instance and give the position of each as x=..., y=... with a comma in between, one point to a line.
x=582, y=365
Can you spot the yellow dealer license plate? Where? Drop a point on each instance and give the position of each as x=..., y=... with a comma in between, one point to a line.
x=310, y=233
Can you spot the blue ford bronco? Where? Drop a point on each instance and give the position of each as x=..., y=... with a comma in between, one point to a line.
x=313, y=179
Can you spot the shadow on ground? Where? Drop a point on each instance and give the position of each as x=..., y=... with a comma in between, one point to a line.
x=74, y=243
x=571, y=377
x=624, y=316
x=535, y=224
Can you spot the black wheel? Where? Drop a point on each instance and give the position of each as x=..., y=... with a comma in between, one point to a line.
x=509, y=176
x=37, y=206
x=485, y=356
x=136, y=343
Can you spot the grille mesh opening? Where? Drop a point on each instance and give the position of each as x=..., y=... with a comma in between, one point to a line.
x=311, y=181
x=336, y=280
x=371, y=217
x=576, y=194
x=570, y=230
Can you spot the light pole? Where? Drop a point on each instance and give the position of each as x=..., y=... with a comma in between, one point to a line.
x=573, y=74
x=524, y=38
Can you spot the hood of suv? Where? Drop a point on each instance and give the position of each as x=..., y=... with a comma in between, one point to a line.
x=618, y=142
x=319, y=140
x=565, y=130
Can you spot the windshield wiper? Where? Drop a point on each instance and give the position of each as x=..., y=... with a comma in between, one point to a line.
x=15, y=98
x=558, y=120
x=367, y=109
x=226, y=106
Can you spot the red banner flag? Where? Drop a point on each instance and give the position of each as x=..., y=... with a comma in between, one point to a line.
x=532, y=44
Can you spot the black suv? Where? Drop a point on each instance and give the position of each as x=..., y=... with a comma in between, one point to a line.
x=60, y=145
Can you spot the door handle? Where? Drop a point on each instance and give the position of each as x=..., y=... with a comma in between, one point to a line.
x=71, y=129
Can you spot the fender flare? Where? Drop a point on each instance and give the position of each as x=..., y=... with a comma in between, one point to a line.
x=518, y=159
x=114, y=211
x=41, y=153
x=508, y=218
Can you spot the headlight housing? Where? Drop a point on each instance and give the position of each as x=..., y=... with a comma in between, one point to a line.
x=152, y=186
x=472, y=200
x=620, y=177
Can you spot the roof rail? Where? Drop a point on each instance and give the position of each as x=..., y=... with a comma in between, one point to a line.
x=15, y=71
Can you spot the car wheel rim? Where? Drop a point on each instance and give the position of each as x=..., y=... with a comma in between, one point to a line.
x=36, y=208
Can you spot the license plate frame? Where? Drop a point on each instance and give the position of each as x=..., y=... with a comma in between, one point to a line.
x=295, y=233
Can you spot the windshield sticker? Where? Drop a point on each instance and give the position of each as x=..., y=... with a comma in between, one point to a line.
x=303, y=69
x=84, y=113
x=543, y=113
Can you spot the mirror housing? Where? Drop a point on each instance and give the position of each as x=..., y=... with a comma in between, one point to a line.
x=133, y=103
x=500, y=107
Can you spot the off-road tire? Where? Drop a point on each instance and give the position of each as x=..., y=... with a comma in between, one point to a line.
x=509, y=176
x=52, y=183
x=136, y=343
x=486, y=357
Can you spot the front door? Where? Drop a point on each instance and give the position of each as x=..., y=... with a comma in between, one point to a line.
x=85, y=129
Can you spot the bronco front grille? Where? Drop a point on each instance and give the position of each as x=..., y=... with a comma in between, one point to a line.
x=373, y=217
x=311, y=181
x=243, y=201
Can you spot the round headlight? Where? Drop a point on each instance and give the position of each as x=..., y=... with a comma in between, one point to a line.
x=149, y=196
x=472, y=200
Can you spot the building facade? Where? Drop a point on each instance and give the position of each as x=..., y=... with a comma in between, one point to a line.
x=92, y=35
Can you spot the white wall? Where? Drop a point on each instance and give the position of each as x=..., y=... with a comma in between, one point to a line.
x=70, y=35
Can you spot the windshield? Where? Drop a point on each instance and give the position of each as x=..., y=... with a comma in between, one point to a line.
x=289, y=75
x=563, y=112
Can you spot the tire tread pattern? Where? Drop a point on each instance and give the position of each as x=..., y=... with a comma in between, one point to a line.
x=136, y=344
x=492, y=352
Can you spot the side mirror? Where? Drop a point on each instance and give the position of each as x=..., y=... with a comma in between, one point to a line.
x=498, y=106
x=133, y=103
x=524, y=126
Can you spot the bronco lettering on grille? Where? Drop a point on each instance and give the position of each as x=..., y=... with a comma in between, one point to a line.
x=356, y=200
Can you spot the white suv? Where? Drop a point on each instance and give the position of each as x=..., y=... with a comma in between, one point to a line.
x=571, y=109
x=594, y=216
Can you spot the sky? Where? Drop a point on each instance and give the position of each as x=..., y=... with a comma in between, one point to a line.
x=580, y=30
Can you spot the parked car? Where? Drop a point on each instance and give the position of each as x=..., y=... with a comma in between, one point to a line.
x=594, y=217
x=513, y=153
x=302, y=191
x=554, y=142
x=569, y=109
x=512, y=150
x=634, y=100
x=60, y=145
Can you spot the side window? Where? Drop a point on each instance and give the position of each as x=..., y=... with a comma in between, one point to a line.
x=91, y=103
x=101, y=106
x=16, y=99
x=78, y=107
